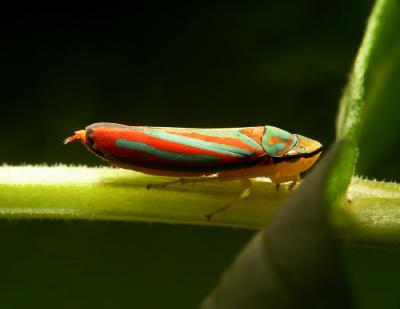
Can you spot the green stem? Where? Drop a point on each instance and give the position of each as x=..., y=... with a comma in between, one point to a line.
x=61, y=192
x=371, y=216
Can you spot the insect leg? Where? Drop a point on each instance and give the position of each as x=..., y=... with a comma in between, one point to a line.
x=246, y=184
x=293, y=181
x=182, y=181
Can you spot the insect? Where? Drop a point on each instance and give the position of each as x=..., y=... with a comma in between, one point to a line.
x=198, y=155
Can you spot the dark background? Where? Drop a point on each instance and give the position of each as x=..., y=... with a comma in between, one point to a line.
x=165, y=63
x=176, y=63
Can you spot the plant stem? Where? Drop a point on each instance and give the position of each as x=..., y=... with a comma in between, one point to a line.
x=372, y=214
x=65, y=192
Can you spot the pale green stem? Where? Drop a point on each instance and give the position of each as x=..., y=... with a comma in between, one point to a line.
x=66, y=192
x=371, y=216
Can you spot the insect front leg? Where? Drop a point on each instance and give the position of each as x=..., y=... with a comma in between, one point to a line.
x=246, y=184
x=182, y=181
x=278, y=180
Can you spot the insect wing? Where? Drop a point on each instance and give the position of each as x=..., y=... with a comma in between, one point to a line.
x=180, y=149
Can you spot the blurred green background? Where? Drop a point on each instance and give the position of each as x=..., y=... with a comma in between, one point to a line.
x=174, y=63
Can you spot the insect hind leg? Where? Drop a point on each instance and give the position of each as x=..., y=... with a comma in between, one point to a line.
x=182, y=181
x=246, y=184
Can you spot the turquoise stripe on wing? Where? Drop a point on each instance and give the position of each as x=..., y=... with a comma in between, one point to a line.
x=232, y=133
x=167, y=155
x=210, y=146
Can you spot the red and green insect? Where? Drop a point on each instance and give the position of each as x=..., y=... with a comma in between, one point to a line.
x=222, y=154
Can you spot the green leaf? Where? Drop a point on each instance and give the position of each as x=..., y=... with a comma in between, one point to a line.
x=294, y=262
x=353, y=100
x=380, y=130
x=369, y=108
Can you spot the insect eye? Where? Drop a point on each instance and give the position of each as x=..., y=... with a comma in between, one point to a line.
x=301, y=149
